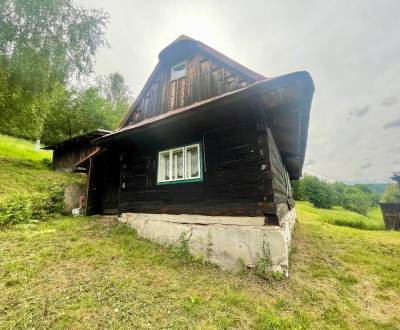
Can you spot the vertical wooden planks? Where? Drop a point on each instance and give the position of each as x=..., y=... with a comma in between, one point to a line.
x=181, y=93
x=205, y=79
x=191, y=77
x=172, y=94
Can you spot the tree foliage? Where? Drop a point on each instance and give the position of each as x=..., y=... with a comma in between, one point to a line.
x=391, y=194
x=358, y=198
x=43, y=44
x=81, y=111
x=318, y=192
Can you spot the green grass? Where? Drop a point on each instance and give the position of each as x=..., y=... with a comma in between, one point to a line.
x=341, y=217
x=91, y=273
x=20, y=149
x=24, y=170
x=88, y=273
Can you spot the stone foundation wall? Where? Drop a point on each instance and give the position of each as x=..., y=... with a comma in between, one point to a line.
x=228, y=242
x=72, y=194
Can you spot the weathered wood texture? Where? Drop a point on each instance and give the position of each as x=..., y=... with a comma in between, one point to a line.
x=103, y=184
x=238, y=176
x=391, y=215
x=65, y=158
x=205, y=77
x=280, y=177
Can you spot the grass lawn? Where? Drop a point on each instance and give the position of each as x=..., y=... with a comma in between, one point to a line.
x=88, y=273
x=24, y=170
x=92, y=273
x=341, y=217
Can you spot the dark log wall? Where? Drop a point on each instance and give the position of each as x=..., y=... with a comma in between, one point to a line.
x=205, y=78
x=65, y=158
x=280, y=177
x=239, y=169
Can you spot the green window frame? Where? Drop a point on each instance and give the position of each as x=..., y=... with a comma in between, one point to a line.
x=175, y=165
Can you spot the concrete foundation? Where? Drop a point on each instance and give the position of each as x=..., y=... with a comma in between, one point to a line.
x=230, y=242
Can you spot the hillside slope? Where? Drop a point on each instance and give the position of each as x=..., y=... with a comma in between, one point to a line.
x=24, y=170
x=86, y=273
x=29, y=190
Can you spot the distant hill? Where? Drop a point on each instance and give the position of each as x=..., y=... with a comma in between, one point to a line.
x=377, y=187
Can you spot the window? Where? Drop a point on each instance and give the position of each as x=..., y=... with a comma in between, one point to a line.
x=178, y=71
x=179, y=165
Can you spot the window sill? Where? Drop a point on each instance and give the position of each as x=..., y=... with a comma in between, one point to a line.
x=180, y=181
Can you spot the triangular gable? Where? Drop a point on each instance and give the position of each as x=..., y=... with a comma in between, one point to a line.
x=208, y=73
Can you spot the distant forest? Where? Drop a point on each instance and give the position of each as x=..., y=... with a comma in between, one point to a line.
x=40, y=98
x=377, y=187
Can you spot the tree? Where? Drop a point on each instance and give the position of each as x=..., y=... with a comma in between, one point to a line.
x=43, y=45
x=298, y=190
x=355, y=199
x=374, y=196
x=86, y=110
x=391, y=194
x=339, y=187
x=318, y=192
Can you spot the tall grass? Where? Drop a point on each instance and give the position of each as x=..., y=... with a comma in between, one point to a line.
x=341, y=217
x=20, y=149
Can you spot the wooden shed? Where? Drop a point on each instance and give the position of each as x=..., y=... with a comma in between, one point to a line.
x=391, y=211
x=69, y=153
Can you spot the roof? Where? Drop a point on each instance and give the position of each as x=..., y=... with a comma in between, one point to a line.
x=295, y=88
x=85, y=138
x=396, y=176
x=183, y=41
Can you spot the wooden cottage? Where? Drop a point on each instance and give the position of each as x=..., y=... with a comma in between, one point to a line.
x=69, y=153
x=206, y=138
x=391, y=211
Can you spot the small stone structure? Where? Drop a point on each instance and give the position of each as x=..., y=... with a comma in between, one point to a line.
x=230, y=242
x=72, y=196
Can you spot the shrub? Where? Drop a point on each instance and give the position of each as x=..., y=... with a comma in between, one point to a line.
x=56, y=199
x=21, y=208
x=46, y=162
x=15, y=209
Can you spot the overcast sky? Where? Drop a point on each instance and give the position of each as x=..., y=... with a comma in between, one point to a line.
x=350, y=48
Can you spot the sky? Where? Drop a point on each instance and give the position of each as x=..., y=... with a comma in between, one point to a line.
x=350, y=48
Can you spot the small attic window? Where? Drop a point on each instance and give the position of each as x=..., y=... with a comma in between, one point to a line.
x=178, y=71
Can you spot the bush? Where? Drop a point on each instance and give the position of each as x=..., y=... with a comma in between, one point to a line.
x=21, y=208
x=15, y=209
x=56, y=199
x=45, y=162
